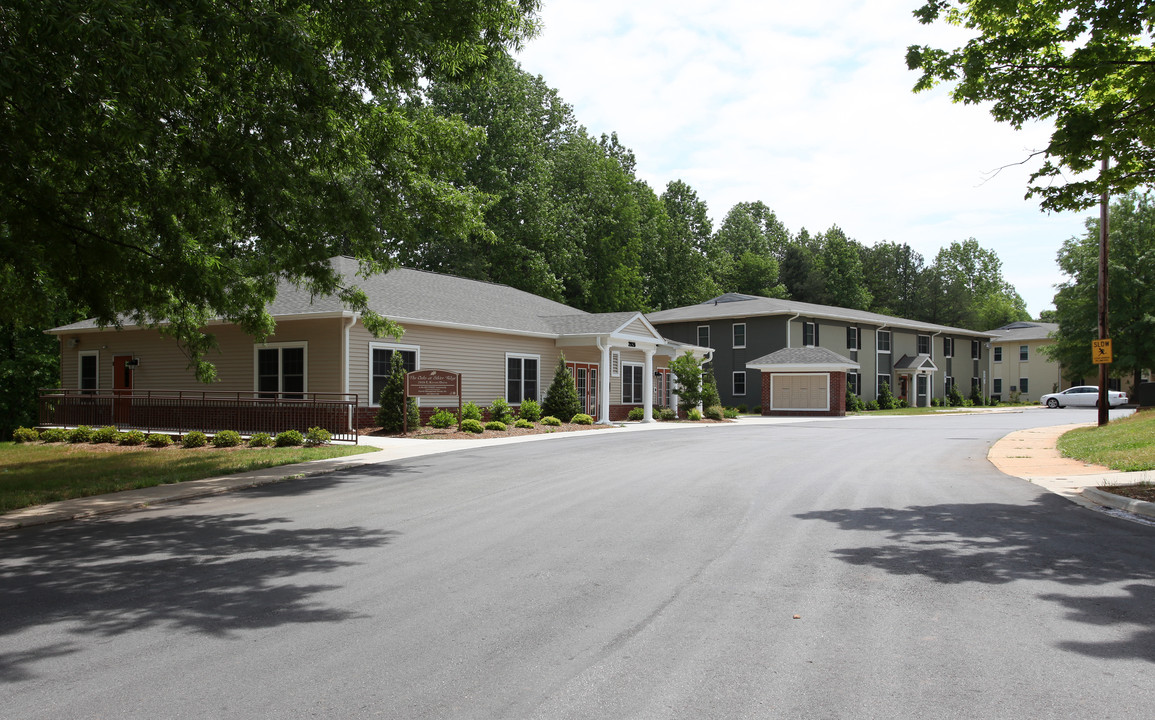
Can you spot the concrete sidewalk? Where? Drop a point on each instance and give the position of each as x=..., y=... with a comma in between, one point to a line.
x=1027, y=454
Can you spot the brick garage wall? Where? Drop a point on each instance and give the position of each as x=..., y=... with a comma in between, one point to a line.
x=837, y=387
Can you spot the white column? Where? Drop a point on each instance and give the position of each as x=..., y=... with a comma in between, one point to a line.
x=604, y=388
x=648, y=388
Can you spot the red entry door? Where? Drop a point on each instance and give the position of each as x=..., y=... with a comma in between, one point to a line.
x=585, y=380
x=121, y=389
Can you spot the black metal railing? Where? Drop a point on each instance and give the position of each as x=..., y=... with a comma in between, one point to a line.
x=179, y=411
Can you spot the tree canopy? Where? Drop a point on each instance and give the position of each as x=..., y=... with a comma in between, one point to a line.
x=169, y=162
x=1085, y=65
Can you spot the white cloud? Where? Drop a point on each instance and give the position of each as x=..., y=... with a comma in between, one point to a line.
x=808, y=108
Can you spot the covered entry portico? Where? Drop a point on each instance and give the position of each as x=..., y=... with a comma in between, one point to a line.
x=915, y=375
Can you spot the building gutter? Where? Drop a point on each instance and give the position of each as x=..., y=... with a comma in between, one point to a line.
x=788, y=321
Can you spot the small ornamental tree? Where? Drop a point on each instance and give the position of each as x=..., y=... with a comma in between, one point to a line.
x=391, y=415
x=954, y=398
x=688, y=372
x=561, y=399
x=885, y=397
x=976, y=396
x=710, y=397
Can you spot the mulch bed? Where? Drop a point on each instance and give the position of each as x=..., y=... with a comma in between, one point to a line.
x=1135, y=492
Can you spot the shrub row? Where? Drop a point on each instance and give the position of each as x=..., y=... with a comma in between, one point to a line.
x=193, y=439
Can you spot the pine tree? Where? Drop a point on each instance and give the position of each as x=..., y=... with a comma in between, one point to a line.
x=391, y=415
x=561, y=400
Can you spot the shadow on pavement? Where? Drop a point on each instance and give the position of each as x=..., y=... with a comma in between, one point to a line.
x=1050, y=540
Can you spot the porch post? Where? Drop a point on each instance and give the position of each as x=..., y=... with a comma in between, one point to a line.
x=648, y=388
x=604, y=387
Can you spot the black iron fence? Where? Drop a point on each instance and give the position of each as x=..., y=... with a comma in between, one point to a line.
x=177, y=412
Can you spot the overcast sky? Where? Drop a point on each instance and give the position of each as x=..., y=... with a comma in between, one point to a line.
x=808, y=108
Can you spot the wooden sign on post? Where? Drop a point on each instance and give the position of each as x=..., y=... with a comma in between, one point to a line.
x=1101, y=351
x=436, y=383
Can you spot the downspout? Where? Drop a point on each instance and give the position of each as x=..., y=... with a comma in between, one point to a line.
x=930, y=383
x=877, y=387
x=796, y=315
x=352, y=320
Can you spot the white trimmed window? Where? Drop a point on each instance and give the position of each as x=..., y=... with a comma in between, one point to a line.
x=381, y=365
x=883, y=341
x=948, y=347
x=739, y=334
x=998, y=353
x=632, y=383
x=854, y=382
x=853, y=339
x=809, y=334
x=883, y=380
x=1023, y=385
x=281, y=369
x=739, y=384
x=1024, y=353
x=704, y=335
x=88, y=373
x=521, y=377
x=924, y=344
x=948, y=384
x=976, y=350
x=997, y=386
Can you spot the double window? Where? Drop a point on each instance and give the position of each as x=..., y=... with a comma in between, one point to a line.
x=924, y=344
x=739, y=384
x=739, y=334
x=884, y=341
x=281, y=370
x=381, y=365
x=809, y=334
x=87, y=379
x=632, y=384
x=521, y=373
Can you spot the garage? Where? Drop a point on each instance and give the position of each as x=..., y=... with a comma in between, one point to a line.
x=797, y=391
x=803, y=381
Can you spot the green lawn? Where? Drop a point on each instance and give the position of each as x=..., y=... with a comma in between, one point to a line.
x=35, y=473
x=1127, y=444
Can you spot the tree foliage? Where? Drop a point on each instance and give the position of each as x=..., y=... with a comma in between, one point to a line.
x=1083, y=64
x=1131, y=292
x=688, y=373
x=561, y=400
x=170, y=162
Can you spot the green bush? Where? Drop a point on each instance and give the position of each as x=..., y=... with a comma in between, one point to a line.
x=935, y=402
x=105, y=434
x=496, y=425
x=872, y=405
x=550, y=420
x=695, y=414
x=23, y=435
x=853, y=402
x=756, y=410
x=391, y=411
x=903, y=404
x=636, y=413
x=260, y=440
x=582, y=419
x=227, y=438
x=289, y=438
x=741, y=409
x=976, y=396
x=81, y=434
x=954, y=398
x=317, y=436
x=886, y=400
x=710, y=396
x=131, y=438
x=523, y=423
x=500, y=412
x=443, y=419
x=158, y=440
x=730, y=413
x=667, y=414
x=54, y=435
x=715, y=412
x=470, y=411
x=194, y=439
x=470, y=425
x=529, y=410
x=561, y=399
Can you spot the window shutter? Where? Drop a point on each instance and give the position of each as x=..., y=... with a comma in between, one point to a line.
x=615, y=364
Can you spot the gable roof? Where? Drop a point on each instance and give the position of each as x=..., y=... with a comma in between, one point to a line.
x=803, y=358
x=735, y=305
x=1024, y=330
x=915, y=362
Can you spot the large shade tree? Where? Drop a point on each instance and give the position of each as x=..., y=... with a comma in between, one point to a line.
x=169, y=162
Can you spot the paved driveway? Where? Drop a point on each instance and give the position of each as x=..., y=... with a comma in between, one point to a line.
x=647, y=575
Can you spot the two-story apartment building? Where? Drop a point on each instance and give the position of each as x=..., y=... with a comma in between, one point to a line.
x=1019, y=368
x=918, y=360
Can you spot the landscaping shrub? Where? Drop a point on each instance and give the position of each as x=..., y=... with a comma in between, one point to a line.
x=935, y=402
x=131, y=438
x=903, y=404
x=872, y=405
x=23, y=435
x=471, y=426
x=105, y=434
x=582, y=419
x=158, y=440
x=667, y=414
x=499, y=411
x=561, y=399
x=391, y=415
x=695, y=414
x=470, y=411
x=289, y=438
x=886, y=399
x=81, y=434
x=194, y=439
x=954, y=398
x=443, y=419
x=714, y=412
x=550, y=420
x=530, y=410
x=54, y=435
x=742, y=409
x=317, y=436
x=730, y=413
x=636, y=413
x=227, y=438
x=260, y=440
x=523, y=423
x=496, y=425
x=710, y=397
x=688, y=372
x=976, y=397
x=853, y=402
x=756, y=410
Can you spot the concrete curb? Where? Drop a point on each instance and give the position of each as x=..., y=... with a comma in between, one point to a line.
x=1101, y=497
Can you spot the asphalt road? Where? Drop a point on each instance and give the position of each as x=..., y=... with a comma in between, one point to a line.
x=640, y=575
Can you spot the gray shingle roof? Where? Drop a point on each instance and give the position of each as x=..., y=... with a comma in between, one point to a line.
x=915, y=362
x=731, y=306
x=803, y=356
x=589, y=324
x=1024, y=331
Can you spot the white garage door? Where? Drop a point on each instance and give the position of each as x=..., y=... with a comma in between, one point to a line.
x=800, y=392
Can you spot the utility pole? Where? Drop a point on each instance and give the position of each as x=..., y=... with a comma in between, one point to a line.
x=1104, y=217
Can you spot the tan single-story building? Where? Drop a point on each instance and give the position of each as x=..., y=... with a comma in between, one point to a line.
x=504, y=342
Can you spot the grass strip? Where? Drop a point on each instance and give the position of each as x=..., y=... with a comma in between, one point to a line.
x=34, y=474
x=1127, y=444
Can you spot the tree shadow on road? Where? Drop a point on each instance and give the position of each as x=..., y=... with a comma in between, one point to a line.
x=1049, y=540
x=201, y=573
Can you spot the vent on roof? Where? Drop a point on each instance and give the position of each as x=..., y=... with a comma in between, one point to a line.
x=730, y=297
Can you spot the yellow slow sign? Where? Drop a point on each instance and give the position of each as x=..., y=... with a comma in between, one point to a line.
x=1101, y=351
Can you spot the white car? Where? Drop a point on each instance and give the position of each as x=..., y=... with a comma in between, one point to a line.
x=1082, y=396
